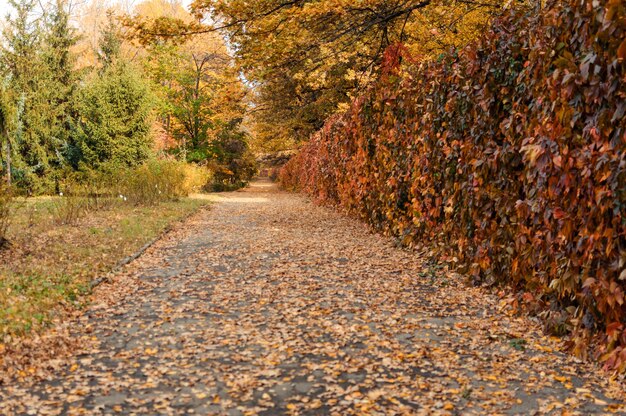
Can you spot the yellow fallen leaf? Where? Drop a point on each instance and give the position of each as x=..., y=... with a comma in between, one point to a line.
x=316, y=404
x=448, y=406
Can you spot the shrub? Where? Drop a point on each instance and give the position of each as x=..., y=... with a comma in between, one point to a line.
x=236, y=174
x=71, y=205
x=148, y=184
x=509, y=157
x=162, y=180
x=197, y=177
x=152, y=182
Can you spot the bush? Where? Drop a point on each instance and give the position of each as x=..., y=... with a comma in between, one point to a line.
x=148, y=184
x=70, y=207
x=510, y=157
x=153, y=182
x=161, y=180
x=197, y=178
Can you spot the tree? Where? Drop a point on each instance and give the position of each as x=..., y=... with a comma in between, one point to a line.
x=38, y=64
x=199, y=86
x=110, y=43
x=37, y=152
x=62, y=79
x=115, y=108
x=115, y=119
x=237, y=164
x=308, y=59
x=5, y=142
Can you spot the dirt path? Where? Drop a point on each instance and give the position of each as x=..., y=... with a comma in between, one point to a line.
x=267, y=304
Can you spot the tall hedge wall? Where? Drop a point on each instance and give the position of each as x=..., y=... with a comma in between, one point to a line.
x=507, y=156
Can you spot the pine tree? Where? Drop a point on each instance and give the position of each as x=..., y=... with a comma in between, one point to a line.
x=5, y=143
x=61, y=77
x=115, y=111
x=110, y=42
x=21, y=59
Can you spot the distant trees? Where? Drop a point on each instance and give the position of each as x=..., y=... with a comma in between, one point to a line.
x=308, y=59
x=71, y=104
x=202, y=95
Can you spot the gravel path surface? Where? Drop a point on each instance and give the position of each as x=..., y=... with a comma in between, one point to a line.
x=268, y=304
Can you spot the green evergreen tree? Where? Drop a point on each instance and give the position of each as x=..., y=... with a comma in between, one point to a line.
x=110, y=42
x=36, y=150
x=38, y=63
x=116, y=115
x=115, y=109
x=61, y=77
x=6, y=148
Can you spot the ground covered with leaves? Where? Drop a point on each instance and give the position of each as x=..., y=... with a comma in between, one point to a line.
x=47, y=267
x=268, y=304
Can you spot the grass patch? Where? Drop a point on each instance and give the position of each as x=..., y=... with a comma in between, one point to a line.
x=48, y=266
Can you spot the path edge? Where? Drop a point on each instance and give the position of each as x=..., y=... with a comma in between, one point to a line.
x=94, y=283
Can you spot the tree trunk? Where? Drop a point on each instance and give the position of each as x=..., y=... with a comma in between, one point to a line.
x=8, y=161
x=5, y=134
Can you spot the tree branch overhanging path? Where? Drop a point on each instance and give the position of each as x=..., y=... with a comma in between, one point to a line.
x=268, y=304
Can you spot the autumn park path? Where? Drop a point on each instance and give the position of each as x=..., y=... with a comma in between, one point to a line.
x=268, y=304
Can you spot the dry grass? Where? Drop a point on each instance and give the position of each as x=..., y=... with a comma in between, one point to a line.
x=48, y=265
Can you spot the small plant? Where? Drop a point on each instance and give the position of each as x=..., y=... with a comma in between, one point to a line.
x=518, y=343
x=467, y=393
x=71, y=205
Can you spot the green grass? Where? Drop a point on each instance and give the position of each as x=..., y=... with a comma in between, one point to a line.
x=48, y=266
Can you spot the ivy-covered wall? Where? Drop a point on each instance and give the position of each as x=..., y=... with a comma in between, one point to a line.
x=508, y=157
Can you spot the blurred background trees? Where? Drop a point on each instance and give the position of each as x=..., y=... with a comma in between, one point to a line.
x=306, y=60
x=208, y=84
x=77, y=94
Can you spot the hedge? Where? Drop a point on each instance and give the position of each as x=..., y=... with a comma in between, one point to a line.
x=507, y=157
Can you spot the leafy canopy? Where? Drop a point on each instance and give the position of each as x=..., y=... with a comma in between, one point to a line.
x=308, y=59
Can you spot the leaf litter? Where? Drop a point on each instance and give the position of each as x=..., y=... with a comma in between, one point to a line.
x=269, y=304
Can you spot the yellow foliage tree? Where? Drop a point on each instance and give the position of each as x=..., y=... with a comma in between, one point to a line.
x=307, y=59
